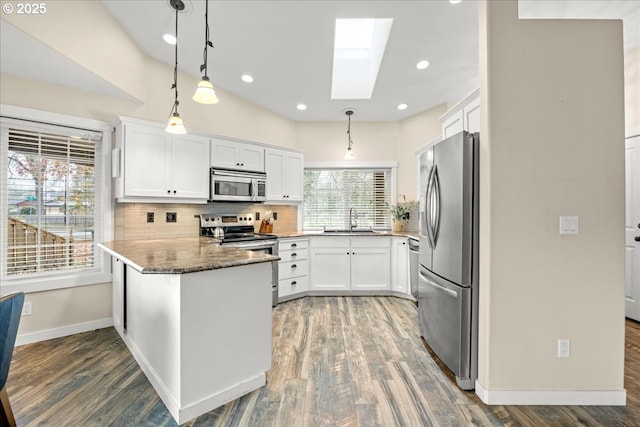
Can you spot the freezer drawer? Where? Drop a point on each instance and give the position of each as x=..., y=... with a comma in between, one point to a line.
x=445, y=322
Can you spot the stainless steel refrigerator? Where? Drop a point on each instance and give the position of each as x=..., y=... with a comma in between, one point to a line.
x=448, y=278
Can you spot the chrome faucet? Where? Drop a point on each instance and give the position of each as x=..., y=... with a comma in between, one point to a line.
x=353, y=219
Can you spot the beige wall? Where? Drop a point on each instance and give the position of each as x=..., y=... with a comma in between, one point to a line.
x=64, y=307
x=552, y=121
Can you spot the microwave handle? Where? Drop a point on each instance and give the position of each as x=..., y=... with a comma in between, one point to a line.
x=253, y=190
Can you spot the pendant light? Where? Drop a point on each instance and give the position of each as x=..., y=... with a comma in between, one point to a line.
x=205, y=93
x=175, y=124
x=349, y=155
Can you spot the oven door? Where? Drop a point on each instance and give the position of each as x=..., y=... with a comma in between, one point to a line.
x=267, y=247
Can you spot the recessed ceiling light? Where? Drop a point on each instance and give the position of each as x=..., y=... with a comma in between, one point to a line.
x=169, y=39
x=422, y=65
x=454, y=1
x=301, y=107
x=402, y=107
x=247, y=78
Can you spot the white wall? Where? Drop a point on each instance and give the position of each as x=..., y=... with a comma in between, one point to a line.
x=553, y=129
x=632, y=90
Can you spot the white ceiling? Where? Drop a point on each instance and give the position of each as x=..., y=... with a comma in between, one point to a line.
x=287, y=47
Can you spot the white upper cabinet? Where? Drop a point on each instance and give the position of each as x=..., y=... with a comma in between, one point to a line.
x=236, y=155
x=465, y=115
x=150, y=165
x=285, y=170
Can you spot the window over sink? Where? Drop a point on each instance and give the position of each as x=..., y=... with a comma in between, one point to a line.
x=337, y=198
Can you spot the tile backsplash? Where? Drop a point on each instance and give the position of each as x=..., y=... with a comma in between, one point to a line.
x=131, y=218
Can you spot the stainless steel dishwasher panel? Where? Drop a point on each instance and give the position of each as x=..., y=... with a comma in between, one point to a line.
x=414, y=256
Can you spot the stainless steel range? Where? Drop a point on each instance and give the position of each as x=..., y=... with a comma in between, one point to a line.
x=237, y=231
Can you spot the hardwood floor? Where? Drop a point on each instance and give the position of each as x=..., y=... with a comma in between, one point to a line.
x=337, y=361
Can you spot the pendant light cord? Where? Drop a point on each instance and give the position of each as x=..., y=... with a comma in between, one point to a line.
x=207, y=42
x=174, y=108
x=349, y=130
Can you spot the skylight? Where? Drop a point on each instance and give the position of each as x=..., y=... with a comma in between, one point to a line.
x=357, y=53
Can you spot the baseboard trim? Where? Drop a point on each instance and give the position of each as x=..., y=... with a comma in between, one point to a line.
x=552, y=397
x=63, y=331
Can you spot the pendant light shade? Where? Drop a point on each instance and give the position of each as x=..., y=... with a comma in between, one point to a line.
x=175, y=124
x=349, y=154
x=205, y=94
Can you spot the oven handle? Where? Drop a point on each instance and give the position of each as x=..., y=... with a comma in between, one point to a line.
x=251, y=246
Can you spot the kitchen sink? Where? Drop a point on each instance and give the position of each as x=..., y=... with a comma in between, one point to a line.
x=354, y=231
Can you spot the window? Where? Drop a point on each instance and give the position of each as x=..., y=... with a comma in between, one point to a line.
x=51, y=203
x=331, y=193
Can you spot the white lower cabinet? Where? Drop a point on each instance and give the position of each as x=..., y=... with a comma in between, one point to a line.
x=293, y=268
x=350, y=263
x=400, y=265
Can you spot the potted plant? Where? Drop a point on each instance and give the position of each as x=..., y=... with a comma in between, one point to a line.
x=401, y=213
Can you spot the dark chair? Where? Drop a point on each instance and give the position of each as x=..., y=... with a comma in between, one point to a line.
x=10, y=311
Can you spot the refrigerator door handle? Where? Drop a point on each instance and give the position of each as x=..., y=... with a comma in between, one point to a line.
x=428, y=217
x=436, y=222
x=441, y=288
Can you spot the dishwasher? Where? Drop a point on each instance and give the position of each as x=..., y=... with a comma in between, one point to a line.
x=414, y=250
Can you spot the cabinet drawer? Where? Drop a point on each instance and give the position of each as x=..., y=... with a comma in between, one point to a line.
x=294, y=255
x=289, y=269
x=285, y=245
x=292, y=286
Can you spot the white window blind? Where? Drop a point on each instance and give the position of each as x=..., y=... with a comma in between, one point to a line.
x=51, y=208
x=329, y=194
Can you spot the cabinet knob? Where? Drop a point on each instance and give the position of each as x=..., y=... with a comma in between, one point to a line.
x=294, y=254
x=294, y=266
x=294, y=283
x=403, y=243
x=168, y=191
x=294, y=245
x=174, y=191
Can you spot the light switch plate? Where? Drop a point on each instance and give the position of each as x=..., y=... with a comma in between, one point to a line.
x=569, y=225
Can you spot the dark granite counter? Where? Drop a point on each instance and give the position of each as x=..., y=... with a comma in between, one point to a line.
x=388, y=233
x=181, y=255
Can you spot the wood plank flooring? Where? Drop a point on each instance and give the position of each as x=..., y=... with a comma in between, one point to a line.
x=337, y=361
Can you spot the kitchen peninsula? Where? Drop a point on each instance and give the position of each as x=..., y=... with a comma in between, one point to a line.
x=196, y=316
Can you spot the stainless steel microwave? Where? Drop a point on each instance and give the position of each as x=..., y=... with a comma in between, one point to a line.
x=229, y=185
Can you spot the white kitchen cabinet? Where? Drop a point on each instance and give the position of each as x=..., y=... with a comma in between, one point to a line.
x=400, y=265
x=330, y=263
x=370, y=263
x=236, y=155
x=293, y=267
x=285, y=175
x=153, y=166
x=465, y=115
x=350, y=263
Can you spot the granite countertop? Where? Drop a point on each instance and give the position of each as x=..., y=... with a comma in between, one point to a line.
x=411, y=234
x=181, y=255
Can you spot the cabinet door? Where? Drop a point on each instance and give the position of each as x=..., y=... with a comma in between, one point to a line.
x=454, y=125
x=251, y=157
x=370, y=269
x=330, y=269
x=400, y=265
x=146, y=155
x=471, y=115
x=190, y=166
x=293, y=177
x=274, y=167
x=224, y=154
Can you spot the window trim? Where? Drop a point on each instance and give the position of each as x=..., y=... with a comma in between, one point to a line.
x=351, y=164
x=65, y=279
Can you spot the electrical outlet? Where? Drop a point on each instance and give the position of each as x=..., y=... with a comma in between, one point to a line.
x=172, y=217
x=275, y=216
x=27, y=309
x=564, y=348
x=257, y=216
x=149, y=216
